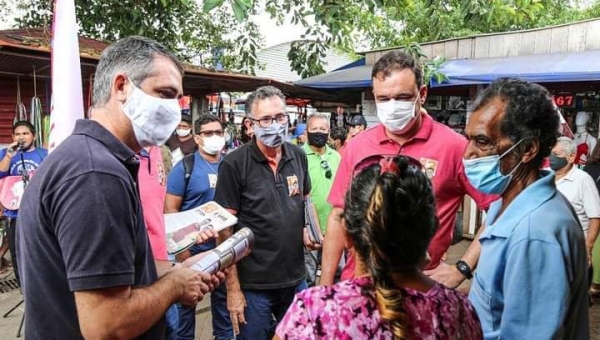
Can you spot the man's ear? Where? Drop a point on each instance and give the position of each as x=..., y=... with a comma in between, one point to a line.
x=531, y=152
x=571, y=158
x=197, y=139
x=120, y=87
x=423, y=94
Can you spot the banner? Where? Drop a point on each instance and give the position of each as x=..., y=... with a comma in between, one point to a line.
x=67, y=91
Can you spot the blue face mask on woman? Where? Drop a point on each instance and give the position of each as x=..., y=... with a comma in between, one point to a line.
x=485, y=175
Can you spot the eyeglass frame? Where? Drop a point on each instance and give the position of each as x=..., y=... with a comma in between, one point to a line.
x=277, y=118
x=210, y=133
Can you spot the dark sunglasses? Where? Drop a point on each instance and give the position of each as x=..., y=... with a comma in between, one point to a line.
x=387, y=163
x=327, y=169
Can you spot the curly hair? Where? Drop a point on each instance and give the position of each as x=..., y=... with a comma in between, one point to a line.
x=530, y=114
x=391, y=219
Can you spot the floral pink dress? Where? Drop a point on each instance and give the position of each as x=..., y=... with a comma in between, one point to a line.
x=348, y=310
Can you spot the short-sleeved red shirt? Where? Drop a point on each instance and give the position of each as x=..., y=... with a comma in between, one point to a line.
x=440, y=150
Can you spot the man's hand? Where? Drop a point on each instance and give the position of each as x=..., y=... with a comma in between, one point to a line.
x=236, y=303
x=195, y=285
x=309, y=243
x=216, y=279
x=10, y=150
x=206, y=234
x=446, y=274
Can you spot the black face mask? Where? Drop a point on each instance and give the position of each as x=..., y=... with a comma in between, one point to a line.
x=557, y=163
x=317, y=139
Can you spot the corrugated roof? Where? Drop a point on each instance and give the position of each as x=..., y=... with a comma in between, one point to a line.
x=40, y=39
x=22, y=50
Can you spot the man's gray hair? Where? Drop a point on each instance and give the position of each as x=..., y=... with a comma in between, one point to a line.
x=262, y=93
x=567, y=145
x=319, y=115
x=133, y=56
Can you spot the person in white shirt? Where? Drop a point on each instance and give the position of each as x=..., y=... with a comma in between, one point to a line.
x=578, y=187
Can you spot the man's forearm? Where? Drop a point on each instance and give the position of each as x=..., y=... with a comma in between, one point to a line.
x=471, y=256
x=333, y=247
x=137, y=309
x=163, y=267
x=5, y=164
x=593, y=230
x=232, y=281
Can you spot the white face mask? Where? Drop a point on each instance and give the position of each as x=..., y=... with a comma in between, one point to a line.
x=153, y=119
x=183, y=132
x=398, y=116
x=213, y=145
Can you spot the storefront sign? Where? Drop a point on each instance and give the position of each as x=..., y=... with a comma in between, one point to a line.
x=564, y=100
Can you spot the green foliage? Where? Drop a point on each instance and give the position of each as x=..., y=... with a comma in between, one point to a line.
x=181, y=25
x=195, y=28
x=371, y=24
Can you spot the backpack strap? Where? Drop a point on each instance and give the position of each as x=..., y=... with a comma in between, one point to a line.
x=188, y=166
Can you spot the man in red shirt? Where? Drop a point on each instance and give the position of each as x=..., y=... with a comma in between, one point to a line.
x=406, y=129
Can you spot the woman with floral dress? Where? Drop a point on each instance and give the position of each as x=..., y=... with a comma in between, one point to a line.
x=389, y=220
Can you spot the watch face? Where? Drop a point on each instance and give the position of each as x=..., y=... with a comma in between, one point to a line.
x=463, y=267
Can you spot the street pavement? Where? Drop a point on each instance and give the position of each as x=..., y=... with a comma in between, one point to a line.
x=10, y=296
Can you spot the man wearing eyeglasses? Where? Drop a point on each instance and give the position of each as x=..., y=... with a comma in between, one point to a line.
x=408, y=130
x=188, y=194
x=323, y=163
x=265, y=183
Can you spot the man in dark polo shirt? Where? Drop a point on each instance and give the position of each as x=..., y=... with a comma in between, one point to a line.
x=265, y=183
x=86, y=266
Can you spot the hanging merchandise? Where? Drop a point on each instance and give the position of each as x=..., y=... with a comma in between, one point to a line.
x=36, y=113
x=20, y=110
x=45, y=130
x=46, y=117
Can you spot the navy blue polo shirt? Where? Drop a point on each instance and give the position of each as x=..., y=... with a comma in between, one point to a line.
x=80, y=227
x=272, y=206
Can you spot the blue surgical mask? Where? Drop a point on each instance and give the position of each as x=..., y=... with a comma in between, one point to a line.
x=272, y=135
x=485, y=175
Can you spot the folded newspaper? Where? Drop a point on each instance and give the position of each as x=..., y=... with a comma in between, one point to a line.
x=238, y=246
x=311, y=221
x=183, y=227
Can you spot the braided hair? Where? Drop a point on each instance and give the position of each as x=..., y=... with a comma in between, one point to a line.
x=390, y=217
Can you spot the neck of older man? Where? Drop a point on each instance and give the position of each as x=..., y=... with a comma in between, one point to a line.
x=560, y=173
x=521, y=180
x=272, y=154
x=317, y=150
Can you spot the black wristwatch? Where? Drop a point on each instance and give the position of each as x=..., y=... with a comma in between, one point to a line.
x=464, y=269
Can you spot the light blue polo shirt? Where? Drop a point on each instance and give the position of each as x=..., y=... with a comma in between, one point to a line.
x=531, y=280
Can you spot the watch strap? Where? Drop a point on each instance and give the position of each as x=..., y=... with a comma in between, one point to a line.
x=464, y=269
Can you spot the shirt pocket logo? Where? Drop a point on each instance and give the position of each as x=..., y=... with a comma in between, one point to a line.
x=293, y=186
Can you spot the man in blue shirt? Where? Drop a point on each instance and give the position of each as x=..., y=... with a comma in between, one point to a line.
x=20, y=159
x=531, y=281
x=184, y=195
